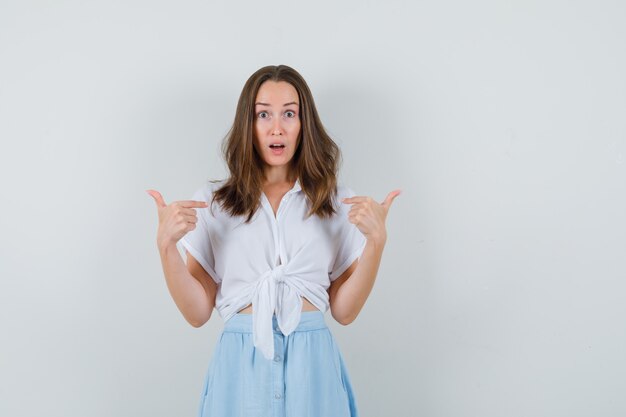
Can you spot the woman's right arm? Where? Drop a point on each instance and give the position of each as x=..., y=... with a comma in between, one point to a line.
x=191, y=287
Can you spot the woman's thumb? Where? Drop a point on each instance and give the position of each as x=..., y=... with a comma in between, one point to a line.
x=157, y=198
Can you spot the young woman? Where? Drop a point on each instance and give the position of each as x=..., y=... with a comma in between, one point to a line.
x=283, y=244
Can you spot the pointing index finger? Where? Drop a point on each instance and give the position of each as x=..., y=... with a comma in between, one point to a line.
x=354, y=199
x=193, y=203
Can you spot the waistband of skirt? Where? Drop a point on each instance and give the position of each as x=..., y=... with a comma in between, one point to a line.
x=309, y=320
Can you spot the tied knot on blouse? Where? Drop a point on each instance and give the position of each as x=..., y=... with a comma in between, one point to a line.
x=277, y=293
x=278, y=273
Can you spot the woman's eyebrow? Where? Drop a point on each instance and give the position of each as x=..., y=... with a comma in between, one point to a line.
x=286, y=104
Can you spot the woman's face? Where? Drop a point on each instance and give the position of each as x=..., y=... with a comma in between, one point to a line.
x=276, y=121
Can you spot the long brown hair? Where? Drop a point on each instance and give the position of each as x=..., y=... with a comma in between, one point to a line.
x=315, y=161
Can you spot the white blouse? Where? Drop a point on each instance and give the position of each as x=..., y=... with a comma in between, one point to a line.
x=274, y=260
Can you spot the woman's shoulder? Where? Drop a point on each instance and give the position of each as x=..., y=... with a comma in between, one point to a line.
x=204, y=192
x=343, y=191
x=208, y=187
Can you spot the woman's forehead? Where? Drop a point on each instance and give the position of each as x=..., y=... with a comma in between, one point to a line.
x=274, y=93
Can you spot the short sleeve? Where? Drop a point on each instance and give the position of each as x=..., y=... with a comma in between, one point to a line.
x=198, y=241
x=350, y=240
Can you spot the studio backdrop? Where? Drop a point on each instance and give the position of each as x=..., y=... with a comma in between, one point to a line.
x=501, y=288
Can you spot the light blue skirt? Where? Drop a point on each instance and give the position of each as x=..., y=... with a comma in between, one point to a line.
x=306, y=378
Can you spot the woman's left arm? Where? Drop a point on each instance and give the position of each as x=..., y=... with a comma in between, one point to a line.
x=349, y=292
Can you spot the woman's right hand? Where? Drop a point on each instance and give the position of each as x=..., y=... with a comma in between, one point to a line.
x=175, y=219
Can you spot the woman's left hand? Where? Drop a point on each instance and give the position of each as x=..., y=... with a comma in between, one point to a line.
x=369, y=215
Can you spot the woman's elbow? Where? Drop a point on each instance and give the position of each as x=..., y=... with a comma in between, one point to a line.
x=198, y=321
x=342, y=319
x=343, y=322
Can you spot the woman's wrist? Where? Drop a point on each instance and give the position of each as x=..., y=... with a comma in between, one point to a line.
x=166, y=245
x=378, y=240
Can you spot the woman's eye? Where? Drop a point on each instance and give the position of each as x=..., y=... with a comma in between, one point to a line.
x=264, y=114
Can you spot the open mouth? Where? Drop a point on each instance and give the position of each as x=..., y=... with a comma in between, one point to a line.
x=277, y=148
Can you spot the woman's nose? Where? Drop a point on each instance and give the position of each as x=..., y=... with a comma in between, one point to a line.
x=277, y=128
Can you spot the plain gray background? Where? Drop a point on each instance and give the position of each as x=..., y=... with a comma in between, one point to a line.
x=501, y=289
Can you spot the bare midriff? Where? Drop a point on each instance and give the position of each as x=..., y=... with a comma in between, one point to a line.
x=306, y=306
